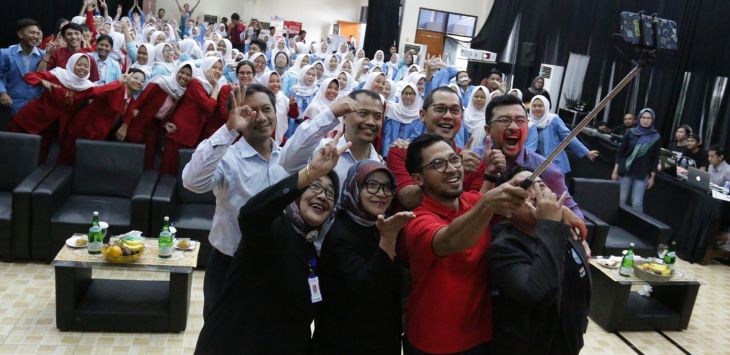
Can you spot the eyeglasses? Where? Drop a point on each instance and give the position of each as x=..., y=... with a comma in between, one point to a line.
x=408, y=93
x=317, y=188
x=374, y=187
x=441, y=109
x=440, y=164
x=506, y=121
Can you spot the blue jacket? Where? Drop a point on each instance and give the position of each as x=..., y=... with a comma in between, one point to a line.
x=552, y=135
x=12, y=70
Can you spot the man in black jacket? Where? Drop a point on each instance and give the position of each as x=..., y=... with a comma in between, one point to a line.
x=541, y=283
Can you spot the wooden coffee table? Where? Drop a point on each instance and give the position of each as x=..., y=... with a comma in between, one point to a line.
x=93, y=304
x=615, y=306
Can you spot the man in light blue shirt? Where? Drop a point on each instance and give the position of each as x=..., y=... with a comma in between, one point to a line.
x=235, y=172
x=16, y=61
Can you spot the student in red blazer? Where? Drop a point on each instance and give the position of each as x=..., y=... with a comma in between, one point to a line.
x=97, y=120
x=65, y=91
x=143, y=122
x=220, y=115
x=195, y=108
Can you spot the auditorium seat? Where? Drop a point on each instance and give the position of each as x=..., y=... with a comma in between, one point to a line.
x=617, y=224
x=108, y=177
x=191, y=213
x=20, y=174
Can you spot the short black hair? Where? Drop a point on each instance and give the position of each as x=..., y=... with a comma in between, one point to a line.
x=26, y=22
x=428, y=101
x=372, y=94
x=70, y=26
x=718, y=149
x=461, y=71
x=60, y=21
x=414, y=157
x=302, y=31
x=105, y=38
x=235, y=16
x=252, y=89
x=504, y=100
x=224, y=19
x=242, y=63
x=687, y=129
x=695, y=137
x=137, y=70
x=85, y=28
x=495, y=71
x=260, y=43
x=285, y=55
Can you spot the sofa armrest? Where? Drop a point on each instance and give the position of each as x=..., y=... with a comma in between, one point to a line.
x=598, y=243
x=162, y=201
x=46, y=199
x=22, y=212
x=641, y=224
x=141, y=201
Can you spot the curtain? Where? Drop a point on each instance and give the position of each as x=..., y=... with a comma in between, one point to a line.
x=382, y=26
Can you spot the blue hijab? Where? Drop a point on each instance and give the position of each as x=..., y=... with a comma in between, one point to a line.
x=647, y=137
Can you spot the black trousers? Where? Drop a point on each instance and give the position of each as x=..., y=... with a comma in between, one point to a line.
x=482, y=349
x=215, y=278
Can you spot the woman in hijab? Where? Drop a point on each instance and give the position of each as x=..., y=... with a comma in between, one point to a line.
x=378, y=58
x=546, y=132
x=326, y=96
x=209, y=46
x=65, y=91
x=474, y=117
x=170, y=33
x=319, y=70
x=303, y=92
x=331, y=64
x=143, y=122
x=362, y=68
x=158, y=37
x=195, y=108
x=280, y=46
x=190, y=50
x=342, y=51
x=285, y=107
x=259, y=67
x=360, y=277
x=291, y=77
x=516, y=93
x=389, y=89
x=537, y=87
x=347, y=66
x=272, y=290
x=404, y=67
x=360, y=54
x=636, y=160
x=346, y=83
x=143, y=58
x=401, y=118
x=165, y=63
x=375, y=82
x=391, y=67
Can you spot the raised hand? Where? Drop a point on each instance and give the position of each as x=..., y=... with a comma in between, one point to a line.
x=506, y=198
x=390, y=227
x=471, y=160
x=494, y=159
x=326, y=158
x=240, y=115
x=343, y=106
x=549, y=207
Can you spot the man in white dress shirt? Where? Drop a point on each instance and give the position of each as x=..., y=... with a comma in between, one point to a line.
x=363, y=121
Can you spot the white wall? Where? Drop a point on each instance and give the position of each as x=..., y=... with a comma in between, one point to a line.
x=478, y=8
x=317, y=17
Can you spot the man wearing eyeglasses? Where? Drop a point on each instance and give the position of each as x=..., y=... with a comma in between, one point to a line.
x=442, y=115
x=449, y=310
x=362, y=116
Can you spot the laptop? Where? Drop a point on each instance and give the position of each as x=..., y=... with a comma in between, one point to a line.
x=698, y=179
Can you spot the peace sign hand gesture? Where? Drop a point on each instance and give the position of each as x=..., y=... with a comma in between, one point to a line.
x=326, y=158
x=240, y=116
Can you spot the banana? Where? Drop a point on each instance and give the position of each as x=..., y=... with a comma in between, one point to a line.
x=134, y=247
x=132, y=242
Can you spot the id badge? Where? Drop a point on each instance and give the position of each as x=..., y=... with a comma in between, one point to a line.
x=314, y=290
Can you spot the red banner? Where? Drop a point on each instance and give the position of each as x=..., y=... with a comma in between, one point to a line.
x=294, y=27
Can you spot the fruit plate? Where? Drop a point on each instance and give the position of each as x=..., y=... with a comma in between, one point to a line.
x=121, y=259
x=191, y=245
x=76, y=238
x=649, y=276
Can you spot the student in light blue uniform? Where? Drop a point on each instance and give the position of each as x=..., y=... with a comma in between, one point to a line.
x=303, y=91
x=402, y=117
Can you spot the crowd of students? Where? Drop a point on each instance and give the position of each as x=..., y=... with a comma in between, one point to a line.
x=333, y=173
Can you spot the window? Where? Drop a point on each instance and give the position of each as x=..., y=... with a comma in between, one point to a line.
x=461, y=25
x=432, y=20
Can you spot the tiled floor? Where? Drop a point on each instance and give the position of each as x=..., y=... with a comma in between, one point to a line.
x=28, y=324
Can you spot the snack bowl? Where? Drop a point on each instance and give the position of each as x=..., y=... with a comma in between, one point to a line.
x=653, y=272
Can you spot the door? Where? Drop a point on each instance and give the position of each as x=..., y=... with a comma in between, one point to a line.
x=434, y=41
x=348, y=29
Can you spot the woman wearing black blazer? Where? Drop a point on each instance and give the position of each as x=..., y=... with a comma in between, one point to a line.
x=272, y=290
x=360, y=279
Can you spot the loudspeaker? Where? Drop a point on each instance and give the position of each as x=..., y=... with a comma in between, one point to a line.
x=527, y=55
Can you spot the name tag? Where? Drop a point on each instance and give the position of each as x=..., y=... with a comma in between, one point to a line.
x=314, y=290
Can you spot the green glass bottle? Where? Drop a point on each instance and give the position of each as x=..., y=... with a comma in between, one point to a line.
x=671, y=257
x=627, y=262
x=96, y=236
x=164, y=242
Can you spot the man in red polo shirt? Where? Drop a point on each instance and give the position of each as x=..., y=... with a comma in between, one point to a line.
x=441, y=115
x=449, y=310
x=58, y=57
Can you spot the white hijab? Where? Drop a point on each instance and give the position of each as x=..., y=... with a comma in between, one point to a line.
x=169, y=84
x=375, y=60
x=156, y=34
x=146, y=32
x=119, y=42
x=547, y=117
x=405, y=113
x=341, y=67
x=201, y=74
x=173, y=34
x=282, y=108
x=228, y=54
x=207, y=44
x=320, y=102
x=371, y=79
x=191, y=48
x=259, y=77
x=146, y=68
x=69, y=79
x=327, y=72
x=294, y=69
x=348, y=87
x=474, y=119
x=518, y=93
x=300, y=88
x=160, y=57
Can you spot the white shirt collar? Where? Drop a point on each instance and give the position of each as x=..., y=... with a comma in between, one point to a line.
x=373, y=152
x=35, y=51
x=248, y=151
